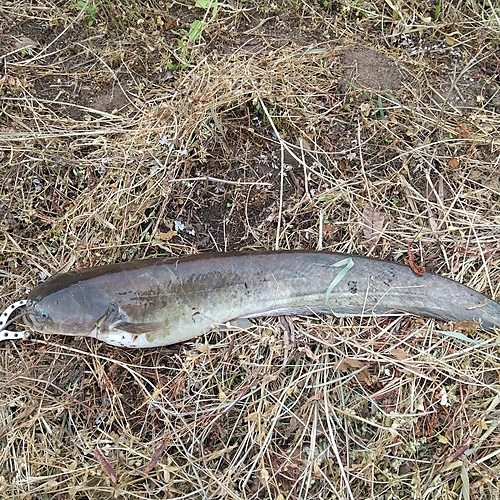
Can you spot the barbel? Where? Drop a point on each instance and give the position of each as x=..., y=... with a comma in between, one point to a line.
x=162, y=301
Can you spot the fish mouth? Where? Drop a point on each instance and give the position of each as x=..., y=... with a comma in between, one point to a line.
x=34, y=321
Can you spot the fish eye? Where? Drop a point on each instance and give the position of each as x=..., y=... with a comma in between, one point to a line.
x=44, y=314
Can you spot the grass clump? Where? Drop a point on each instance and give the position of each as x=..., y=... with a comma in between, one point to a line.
x=137, y=129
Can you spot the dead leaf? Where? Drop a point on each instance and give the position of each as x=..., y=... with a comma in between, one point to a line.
x=392, y=118
x=25, y=43
x=451, y=38
x=373, y=223
x=466, y=327
x=419, y=270
x=450, y=41
x=398, y=354
x=328, y=231
x=464, y=132
x=364, y=377
x=106, y=465
x=347, y=364
x=443, y=439
x=166, y=236
x=482, y=425
x=453, y=163
x=157, y=455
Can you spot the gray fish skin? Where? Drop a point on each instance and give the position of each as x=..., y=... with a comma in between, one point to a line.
x=149, y=303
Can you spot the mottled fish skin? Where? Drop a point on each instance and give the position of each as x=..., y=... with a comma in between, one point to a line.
x=149, y=303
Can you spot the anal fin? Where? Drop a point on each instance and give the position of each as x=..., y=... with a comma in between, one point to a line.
x=236, y=324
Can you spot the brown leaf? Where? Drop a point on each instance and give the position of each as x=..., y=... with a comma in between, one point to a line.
x=398, y=354
x=328, y=231
x=467, y=327
x=347, y=364
x=453, y=163
x=373, y=223
x=364, y=377
x=419, y=270
x=106, y=465
x=157, y=455
x=162, y=236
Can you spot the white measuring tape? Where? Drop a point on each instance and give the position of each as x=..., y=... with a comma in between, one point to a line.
x=4, y=319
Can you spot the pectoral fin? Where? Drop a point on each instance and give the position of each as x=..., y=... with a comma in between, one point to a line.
x=116, y=319
x=137, y=328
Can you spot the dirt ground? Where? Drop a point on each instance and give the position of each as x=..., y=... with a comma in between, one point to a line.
x=139, y=129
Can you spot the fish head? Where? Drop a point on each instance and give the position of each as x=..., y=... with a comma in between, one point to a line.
x=58, y=314
x=95, y=302
x=63, y=308
x=61, y=314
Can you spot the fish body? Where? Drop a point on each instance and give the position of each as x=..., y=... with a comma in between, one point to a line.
x=149, y=303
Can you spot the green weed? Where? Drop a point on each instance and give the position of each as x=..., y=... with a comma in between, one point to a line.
x=89, y=12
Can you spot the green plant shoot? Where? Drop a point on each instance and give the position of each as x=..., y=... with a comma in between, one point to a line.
x=208, y=4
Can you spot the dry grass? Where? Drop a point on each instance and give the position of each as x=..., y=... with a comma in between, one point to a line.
x=122, y=139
